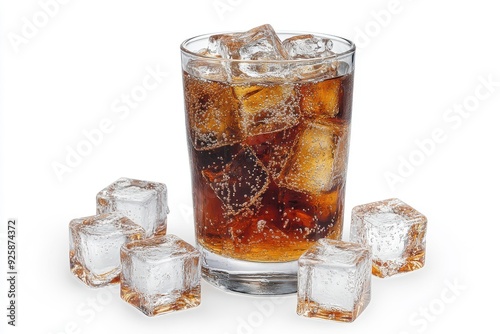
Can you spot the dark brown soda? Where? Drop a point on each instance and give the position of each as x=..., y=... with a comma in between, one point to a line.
x=253, y=196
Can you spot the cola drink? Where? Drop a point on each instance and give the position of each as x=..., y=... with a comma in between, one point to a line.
x=268, y=142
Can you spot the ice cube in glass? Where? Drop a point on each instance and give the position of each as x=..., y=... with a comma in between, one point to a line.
x=318, y=159
x=260, y=43
x=265, y=109
x=240, y=182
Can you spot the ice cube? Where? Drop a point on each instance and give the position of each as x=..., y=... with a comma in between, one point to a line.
x=217, y=44
x=318, y=159
x=209, y=69
x=206, y=65
x=272, y=149
x=212, y=111
x=395, y=232
x=144, y=202
x=95, y=243
x=320, y=99
x=314, y=70
x=267, y=108
x=334, y=280
x=207, y=52
x=160, y=275
x=240, y=182
x=323, y=63
x=260, y=43
x=308, y=46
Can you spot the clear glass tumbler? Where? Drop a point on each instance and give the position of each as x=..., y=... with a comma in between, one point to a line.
x=268, y=143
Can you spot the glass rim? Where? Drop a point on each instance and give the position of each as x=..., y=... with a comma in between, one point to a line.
x=350, y=51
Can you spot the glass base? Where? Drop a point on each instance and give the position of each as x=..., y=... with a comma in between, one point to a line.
x=256, y=278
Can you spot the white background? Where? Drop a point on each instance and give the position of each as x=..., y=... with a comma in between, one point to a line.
x=413, y=67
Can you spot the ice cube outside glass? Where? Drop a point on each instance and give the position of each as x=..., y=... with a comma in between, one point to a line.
x=334, y=280
x=95, y=243
x=396, y=233
x=160, y=275
x=144, y=202
x=258, y=204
